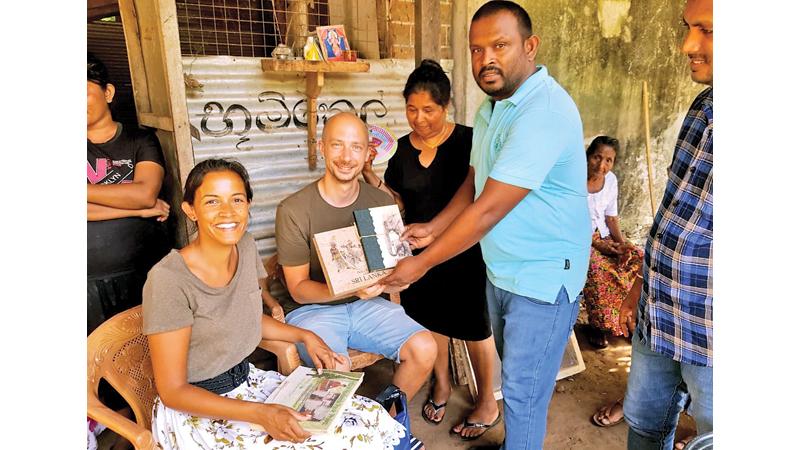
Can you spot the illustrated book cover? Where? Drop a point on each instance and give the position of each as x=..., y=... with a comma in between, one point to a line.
x=343, y=261
x=380, y=229
x=324, y=394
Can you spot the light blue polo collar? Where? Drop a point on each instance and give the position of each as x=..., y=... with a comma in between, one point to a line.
x=528, y=85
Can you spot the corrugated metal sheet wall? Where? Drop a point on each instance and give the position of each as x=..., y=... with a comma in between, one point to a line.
x=259, y=118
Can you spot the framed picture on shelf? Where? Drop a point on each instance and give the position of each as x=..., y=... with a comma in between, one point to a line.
x=333, y=42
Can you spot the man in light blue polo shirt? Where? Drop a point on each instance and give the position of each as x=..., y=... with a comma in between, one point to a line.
x=525, y=200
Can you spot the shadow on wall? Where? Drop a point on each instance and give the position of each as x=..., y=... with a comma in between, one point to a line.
x=601, y=52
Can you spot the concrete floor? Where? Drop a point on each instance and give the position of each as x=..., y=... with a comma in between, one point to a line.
x=575, y=399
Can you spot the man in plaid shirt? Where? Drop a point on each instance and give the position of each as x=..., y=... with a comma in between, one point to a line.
x=672, y=343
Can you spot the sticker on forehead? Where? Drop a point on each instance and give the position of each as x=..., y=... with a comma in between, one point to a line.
x=384, y=143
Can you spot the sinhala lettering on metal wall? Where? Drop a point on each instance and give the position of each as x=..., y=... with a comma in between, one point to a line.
x=238, y=111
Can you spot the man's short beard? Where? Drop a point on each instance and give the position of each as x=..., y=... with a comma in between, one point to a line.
x=342, y=180
x=501, y=91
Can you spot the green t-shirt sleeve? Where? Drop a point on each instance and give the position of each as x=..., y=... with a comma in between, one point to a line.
x=530, y=150
x=292, y=240
x=252, y=248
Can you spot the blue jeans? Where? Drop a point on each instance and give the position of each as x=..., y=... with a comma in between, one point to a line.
x=658, y=389
x=531, y=336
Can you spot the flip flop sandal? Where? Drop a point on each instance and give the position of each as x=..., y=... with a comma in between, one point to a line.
x=598, y=339
x=680, y=445
x=597, y=417
x=602, y=412
x=436, y=408
x=475, y=425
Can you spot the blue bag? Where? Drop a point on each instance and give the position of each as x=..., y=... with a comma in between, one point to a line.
x=393, y=396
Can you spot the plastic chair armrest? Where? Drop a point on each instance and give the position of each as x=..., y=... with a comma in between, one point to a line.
x=140, y=437
x=286, y=352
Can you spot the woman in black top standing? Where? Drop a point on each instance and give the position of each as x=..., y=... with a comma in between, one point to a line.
x=429, y=166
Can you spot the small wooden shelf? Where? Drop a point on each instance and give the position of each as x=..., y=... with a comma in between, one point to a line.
x=300, y=65
x=315, y=79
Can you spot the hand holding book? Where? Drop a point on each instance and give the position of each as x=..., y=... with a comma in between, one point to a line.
x=325, y=395
x=418, y=235
x=407, y=271
x=370, y=291
x=280, y=422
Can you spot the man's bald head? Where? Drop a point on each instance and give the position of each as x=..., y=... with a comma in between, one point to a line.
x=344, y=145
x=343, y=121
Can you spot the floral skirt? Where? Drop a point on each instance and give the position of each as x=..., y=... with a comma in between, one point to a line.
x=609, y=280
x=364, y=425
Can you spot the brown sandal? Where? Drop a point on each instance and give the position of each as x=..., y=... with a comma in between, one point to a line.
x=601, y=416
x=679, y=445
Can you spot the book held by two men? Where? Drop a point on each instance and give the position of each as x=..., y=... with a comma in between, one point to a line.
x=324, y=394
x=358, y=256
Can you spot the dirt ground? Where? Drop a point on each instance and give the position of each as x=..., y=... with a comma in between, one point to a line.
x=568, y=422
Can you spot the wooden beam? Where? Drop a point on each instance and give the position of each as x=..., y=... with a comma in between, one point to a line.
x=98, y=9
x=153, y=121
x=462, y=64
x=384, y=38
x=172, y=65
x=298, y=25
x=427, y=27
x=301, y=65
x=315, y=79
x=130, y=25
x=154, y=57
x=314, y=83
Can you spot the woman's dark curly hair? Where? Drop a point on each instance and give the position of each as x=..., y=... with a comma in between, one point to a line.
x=429, y=77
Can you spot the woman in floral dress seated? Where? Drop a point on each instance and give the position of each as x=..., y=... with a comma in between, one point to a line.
x=614, y=262
x=203, y=316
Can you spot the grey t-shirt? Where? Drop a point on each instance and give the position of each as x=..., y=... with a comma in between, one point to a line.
x=305, y=213
x=225, y=321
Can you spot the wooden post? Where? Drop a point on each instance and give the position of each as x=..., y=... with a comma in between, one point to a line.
x=297, y=25
x=646, y=107
x=314, y=83
x=462, y=65
x=154, y=56
x=427, y=27
x=315, y=79
x=461, y=366
x=384, y=37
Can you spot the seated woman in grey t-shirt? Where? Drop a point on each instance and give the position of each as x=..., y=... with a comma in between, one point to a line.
x=203, y=316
